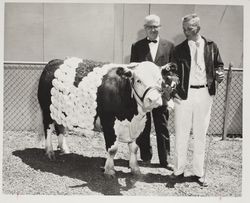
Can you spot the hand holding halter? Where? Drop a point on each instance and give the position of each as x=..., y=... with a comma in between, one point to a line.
x=171, y=80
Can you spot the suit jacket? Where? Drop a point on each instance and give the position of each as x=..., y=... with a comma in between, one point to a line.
x=140, y=52
x=182, y=58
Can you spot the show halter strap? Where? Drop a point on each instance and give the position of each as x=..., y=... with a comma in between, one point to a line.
x=141, y=99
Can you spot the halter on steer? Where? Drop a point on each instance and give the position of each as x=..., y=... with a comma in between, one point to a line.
x=141, y=99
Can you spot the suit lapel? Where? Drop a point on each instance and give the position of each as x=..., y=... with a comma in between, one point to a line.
x=206, y=53
x=148, y=56
x=186, y=54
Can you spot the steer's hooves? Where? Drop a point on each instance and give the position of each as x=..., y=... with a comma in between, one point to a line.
x=63, y=150
x=136, y=172
x=110, y=174
x=51, y=155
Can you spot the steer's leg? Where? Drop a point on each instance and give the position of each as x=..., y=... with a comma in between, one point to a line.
x=62, y=143
x=44, y=98
x=133, y=148
x=107, y=122
x=109, y=164
x=48, y=141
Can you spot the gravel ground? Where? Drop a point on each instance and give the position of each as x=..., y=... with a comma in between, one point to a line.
x=27, y=171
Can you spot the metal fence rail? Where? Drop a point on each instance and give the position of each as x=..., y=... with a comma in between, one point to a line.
x=22, y=113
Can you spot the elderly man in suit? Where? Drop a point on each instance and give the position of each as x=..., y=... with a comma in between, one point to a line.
x=154, y=48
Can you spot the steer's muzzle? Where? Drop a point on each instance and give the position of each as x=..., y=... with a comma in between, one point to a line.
x=152, y=100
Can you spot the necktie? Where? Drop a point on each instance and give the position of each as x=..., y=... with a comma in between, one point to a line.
x=154, y=40
x=196, y=56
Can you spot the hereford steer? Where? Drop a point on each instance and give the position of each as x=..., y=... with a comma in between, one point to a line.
x=72, y=97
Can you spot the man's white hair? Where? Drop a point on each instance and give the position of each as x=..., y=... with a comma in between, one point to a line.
x=152, y=20
x=191, y=19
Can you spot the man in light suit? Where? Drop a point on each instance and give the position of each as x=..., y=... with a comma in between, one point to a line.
x=200, y=67
x=158, y=50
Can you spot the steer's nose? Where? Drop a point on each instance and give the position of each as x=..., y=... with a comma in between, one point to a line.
x=157, y=102
x=154, y=99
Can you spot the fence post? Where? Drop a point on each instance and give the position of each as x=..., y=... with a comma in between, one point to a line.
x=227, y=101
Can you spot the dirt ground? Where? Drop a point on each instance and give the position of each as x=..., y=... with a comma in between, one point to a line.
x=27, y=171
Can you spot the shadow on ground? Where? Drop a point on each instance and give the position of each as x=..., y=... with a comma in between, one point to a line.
x=87, y=169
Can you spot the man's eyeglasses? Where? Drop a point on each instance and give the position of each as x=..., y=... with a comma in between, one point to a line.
x=152, y=27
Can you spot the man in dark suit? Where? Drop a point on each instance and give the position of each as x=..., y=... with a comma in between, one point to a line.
x=158, y=50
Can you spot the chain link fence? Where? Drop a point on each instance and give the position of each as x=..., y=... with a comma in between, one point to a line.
x=22, y=111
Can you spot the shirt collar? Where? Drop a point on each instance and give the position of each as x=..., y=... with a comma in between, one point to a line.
x=198, y=40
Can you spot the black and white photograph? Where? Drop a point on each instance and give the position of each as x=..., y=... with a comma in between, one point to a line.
x=140, y=99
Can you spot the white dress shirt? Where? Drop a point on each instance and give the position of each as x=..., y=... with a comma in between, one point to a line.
x=153, y=48
x=198, y=69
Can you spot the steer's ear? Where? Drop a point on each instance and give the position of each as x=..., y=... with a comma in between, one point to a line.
x=132, y=65
x=168, y=69
x=124, y=72
x=169, y=73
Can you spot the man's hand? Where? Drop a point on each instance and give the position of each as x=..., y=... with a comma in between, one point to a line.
x=219, y=76
x=166, y=92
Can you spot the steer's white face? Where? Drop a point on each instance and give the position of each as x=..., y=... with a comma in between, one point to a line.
x=147, y=75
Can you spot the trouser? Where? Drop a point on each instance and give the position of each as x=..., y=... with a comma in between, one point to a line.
x=194, y=112
x=160, y=118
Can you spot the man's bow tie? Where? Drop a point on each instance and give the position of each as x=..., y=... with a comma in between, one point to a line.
x=149, y=40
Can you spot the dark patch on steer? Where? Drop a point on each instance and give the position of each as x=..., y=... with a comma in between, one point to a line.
x=114, y=101
x=84, y=68
x=44, y=87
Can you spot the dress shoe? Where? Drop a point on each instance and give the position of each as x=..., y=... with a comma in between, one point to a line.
x=177, y=177
x=167, y=166
x=146, y=154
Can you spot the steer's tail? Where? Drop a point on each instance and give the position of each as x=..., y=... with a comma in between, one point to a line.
x=41, y=133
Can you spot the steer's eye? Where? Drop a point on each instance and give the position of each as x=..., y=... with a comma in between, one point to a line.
x=159, y=81
x=138, y=81
x=149, y=100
